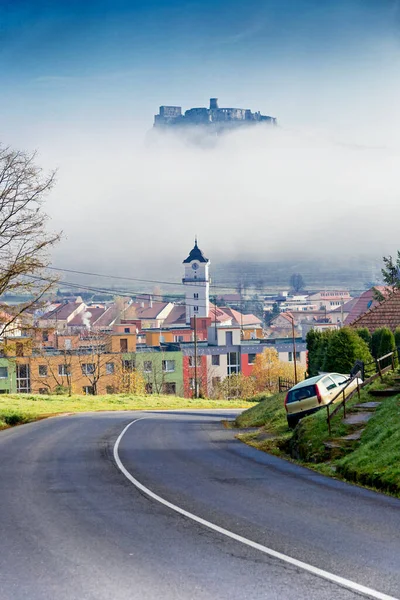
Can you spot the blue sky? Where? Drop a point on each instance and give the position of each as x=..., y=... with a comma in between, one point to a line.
x=70, y=58
x=81, y=81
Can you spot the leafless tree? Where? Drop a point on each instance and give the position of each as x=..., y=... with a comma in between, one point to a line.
x=24, y=241
x=93, y=358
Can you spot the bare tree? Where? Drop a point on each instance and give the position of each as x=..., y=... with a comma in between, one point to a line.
x=93, y=359
x=24, y=241
x=55, y=376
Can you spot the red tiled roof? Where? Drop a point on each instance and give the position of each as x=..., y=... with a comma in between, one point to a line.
x=384, y=314
x=62, y=312
x=176, y=316
x=364, y=303
x=91, y=314
x=150, y=312
x=218, y=314
x=242, y=319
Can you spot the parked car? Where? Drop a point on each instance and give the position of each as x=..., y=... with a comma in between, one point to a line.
x=312, y=394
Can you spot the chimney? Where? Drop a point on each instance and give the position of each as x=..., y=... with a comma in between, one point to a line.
x=213, y=103
x=151, y=302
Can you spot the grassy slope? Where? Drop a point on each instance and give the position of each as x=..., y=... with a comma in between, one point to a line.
x=373, y=461
x=22, y=408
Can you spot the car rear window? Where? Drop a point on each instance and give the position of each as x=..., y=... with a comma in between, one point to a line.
x=306, y=391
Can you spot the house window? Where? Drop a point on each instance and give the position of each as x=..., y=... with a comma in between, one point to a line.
x=196, y=296
x=229, y=338
x=88, y=390
x=88, y=369
x=147, y=366
x=42, y=370
x=252, y=359
x=23, y=379
x=128, y=365
x=127, y=330
x=64, y=370
x=168, y=366
x=178, y=338
x=19, y=349
x=3, y=372
x=149, y=388
x=110, y=368
x=123, y=345
x=196, y=308
x=192, y=383
x=192, y=363
x=169, y=387
x=233, y=363
x=45, y=336
x=215, y=359
x=290, y=356
x=67, y=344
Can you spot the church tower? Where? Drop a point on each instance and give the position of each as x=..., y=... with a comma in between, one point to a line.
x=197, y=284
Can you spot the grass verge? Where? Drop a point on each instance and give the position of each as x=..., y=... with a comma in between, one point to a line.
x=16, y=409
x=372, y=461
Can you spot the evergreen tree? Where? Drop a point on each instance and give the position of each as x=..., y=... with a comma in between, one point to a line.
x=364, y=334
x=344, y=348
x=397, y=337
x=382, y=342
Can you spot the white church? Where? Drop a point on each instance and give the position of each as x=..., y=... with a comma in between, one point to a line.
x=197, y=284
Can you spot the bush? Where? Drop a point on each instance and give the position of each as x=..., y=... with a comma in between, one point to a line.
x=382, y=342
x=317, y=343
x=344, y=348
x=364, y=334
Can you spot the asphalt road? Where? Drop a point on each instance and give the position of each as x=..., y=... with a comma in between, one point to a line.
x=72, y=525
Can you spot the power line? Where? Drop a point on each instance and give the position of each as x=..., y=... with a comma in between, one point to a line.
x=155, y=281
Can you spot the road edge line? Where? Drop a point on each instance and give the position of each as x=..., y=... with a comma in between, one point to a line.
x=343, y=582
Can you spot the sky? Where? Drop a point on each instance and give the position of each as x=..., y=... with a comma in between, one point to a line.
x=81, y=82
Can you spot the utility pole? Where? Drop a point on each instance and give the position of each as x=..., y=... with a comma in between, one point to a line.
x=294, y=350
x=196, y=395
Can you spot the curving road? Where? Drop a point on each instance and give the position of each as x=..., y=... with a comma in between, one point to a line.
x=73, y=526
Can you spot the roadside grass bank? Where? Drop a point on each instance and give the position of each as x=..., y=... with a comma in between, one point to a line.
x=16, y=409
x=371, y=461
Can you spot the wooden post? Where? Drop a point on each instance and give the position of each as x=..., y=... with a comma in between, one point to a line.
x=344, y=405
x=378, y=362
x=329, y=420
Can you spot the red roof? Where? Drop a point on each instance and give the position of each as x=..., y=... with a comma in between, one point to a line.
x=384, y=314
x=240, y=318
x=177, y=316
x=62, y=311
x=365, y=302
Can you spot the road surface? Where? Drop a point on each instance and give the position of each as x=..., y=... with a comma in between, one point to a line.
x=74, y=526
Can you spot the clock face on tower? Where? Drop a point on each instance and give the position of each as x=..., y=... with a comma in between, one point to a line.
x=195, y=266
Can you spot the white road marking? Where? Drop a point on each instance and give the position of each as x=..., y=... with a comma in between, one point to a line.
x=347, y=583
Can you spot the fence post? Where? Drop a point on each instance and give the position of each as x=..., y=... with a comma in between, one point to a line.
x=378, y=364
x=393, y=367
x=344, y=405
x=279, y=385
x=329, y=420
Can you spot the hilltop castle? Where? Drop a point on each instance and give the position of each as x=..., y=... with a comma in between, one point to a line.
x=219, y=118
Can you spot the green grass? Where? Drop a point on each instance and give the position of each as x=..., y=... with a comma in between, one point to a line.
x=268, y=413
x=23, y=408
x=373, y=461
